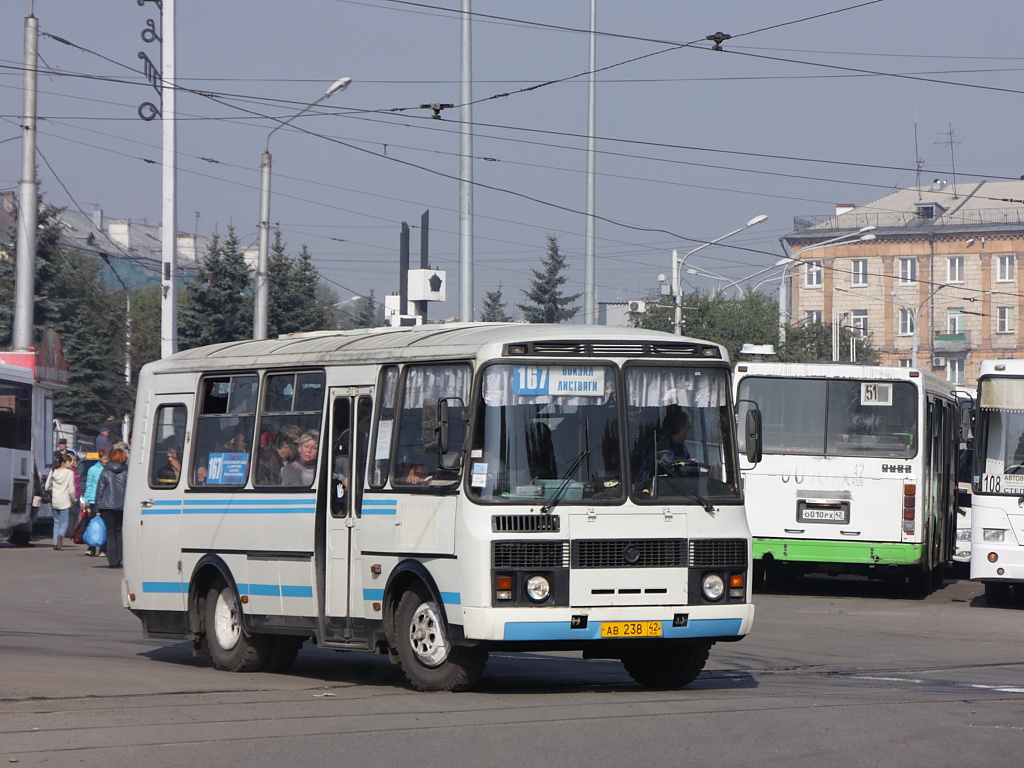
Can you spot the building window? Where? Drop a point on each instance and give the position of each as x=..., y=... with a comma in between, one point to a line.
x=812, y=316
x=906, y=322
x=813, y=277
x=955, y=269
x=1004, y=320
x=1006, y=269
x=908, y=271
x=905, y=362
x=859, y=320
x=955, y=320
x=955, y=370
x=859, y=272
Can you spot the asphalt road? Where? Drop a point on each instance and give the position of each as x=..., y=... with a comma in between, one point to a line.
x=836, y=673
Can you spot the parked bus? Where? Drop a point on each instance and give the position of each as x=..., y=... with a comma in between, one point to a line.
x=997, y=513
x=17, y=467
x=858, y=474
x=438, y=492
x=964, y=476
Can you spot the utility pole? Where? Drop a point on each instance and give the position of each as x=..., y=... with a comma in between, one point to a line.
x=466, y=172
x=28, y=200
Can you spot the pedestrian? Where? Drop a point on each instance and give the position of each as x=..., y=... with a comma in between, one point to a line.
x=104, y=439
x=110, y=501
x=61, y=484
x=61, y=452
x=92, y=480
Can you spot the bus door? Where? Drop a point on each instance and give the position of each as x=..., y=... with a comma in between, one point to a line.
x=351, y=410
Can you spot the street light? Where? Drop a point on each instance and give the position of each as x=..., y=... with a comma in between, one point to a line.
x=861, y=235
x=707, y=273
x=677, y=264
x=261, y=294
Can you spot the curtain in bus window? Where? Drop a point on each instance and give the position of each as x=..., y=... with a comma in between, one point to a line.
x=687, y=387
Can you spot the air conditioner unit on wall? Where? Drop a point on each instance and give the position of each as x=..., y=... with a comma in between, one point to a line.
x=638, y=306
x=938, y=362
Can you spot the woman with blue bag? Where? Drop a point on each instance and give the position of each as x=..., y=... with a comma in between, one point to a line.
x=110, y=502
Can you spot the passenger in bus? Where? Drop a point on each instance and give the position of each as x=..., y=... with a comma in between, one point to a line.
x=274, y=455
x=171, y=470
x=343, y=455
x=301, y=470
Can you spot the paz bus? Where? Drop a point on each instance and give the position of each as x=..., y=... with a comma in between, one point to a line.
x=997, y=512
x=859, y=471
x=434, y=493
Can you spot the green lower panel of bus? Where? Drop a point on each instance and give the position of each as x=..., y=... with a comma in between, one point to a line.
x=854, y=552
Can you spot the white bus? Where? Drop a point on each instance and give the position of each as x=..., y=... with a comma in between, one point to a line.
x=26, y=415
x=997, y=512
x=501, y=492
x=858, y=474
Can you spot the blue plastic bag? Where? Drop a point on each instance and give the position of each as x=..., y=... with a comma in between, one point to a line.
x=95, y=532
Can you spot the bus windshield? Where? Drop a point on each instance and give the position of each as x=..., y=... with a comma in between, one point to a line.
x=999, y=441
x=838, y=417
x=547, y=431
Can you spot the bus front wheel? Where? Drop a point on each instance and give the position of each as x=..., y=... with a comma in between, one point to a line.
x=430, y=661
x=231, y=647
x=667, y=664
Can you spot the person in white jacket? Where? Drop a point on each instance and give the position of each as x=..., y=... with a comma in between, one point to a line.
x=61, y=484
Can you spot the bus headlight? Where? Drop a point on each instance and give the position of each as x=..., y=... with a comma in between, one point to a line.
x=713, y=587
x=538, y=588
x=963, y=534
x=993, y=534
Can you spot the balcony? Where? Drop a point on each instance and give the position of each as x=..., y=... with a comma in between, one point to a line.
x=952, y=342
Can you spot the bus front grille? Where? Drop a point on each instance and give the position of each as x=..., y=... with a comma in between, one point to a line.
x=529, y=554
x=629, y=553
x=718, y=553
x=525, y=523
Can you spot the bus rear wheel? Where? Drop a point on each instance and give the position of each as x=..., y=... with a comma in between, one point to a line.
x=429, y=659
x=231, y=647
x=666, y=664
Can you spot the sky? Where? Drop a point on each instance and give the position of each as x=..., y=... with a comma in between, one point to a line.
x=809, y=104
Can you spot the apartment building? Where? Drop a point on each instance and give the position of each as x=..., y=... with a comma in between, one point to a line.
x=933, y=267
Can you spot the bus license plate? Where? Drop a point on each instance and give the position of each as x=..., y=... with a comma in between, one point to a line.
x=631, y=629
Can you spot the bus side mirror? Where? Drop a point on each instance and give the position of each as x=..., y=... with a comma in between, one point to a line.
x=963, y=430
x=753, y=435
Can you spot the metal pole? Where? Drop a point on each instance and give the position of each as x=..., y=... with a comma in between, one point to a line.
x=261, y=296
x=466, y=173
x=28, y=201
x=589, y=264
x=784, y=305
x=169, y=233
x=677, y=316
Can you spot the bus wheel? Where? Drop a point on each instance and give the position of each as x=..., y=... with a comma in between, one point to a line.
x=666, y=665
x=428, y=658
x=997, y=593
x=283, y=651
x=231, y=648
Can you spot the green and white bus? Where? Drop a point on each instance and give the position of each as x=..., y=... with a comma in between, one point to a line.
x=476, y=487
x=859, y=471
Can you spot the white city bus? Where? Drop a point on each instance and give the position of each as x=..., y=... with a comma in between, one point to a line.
x=858, y=474
x=997, y=512
x=478, y=487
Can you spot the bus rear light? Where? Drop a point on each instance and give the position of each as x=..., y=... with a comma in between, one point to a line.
x=909, y=506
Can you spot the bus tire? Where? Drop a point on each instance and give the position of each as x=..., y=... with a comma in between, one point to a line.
x=283, y=652
x=231, y=647
x=666, y=664
x=997, y=593
x=429, y=660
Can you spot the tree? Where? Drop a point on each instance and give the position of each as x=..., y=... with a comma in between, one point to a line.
x=810, y=342
x=494, y=308
x=366, y=312
x=547, y=304
x=295, y=305
x=217, y=306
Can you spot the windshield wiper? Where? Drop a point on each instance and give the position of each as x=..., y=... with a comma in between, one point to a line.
x=564, y=485
x=693, y=494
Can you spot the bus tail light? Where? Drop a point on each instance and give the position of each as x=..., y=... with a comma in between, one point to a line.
x=909, y=506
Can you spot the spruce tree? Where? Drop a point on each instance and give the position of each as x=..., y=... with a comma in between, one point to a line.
x=494, y=308
x=547, y=304
x=217, y=305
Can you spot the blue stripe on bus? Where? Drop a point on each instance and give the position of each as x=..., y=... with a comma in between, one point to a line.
x=561, y=630
x=373, y=594
x=448, y=598
x=379, y=506
x=273, y=590
x=164, y=587
x=231, y=507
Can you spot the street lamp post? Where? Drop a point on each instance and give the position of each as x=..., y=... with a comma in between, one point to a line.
x=721, y=291
x=861, y=235
x=677, y=264
x=261, y=293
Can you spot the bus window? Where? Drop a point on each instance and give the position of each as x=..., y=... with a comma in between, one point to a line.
x=416, y=448
x=384, y=428
x=224, y=430
x=168, y=439
x=291, y=410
